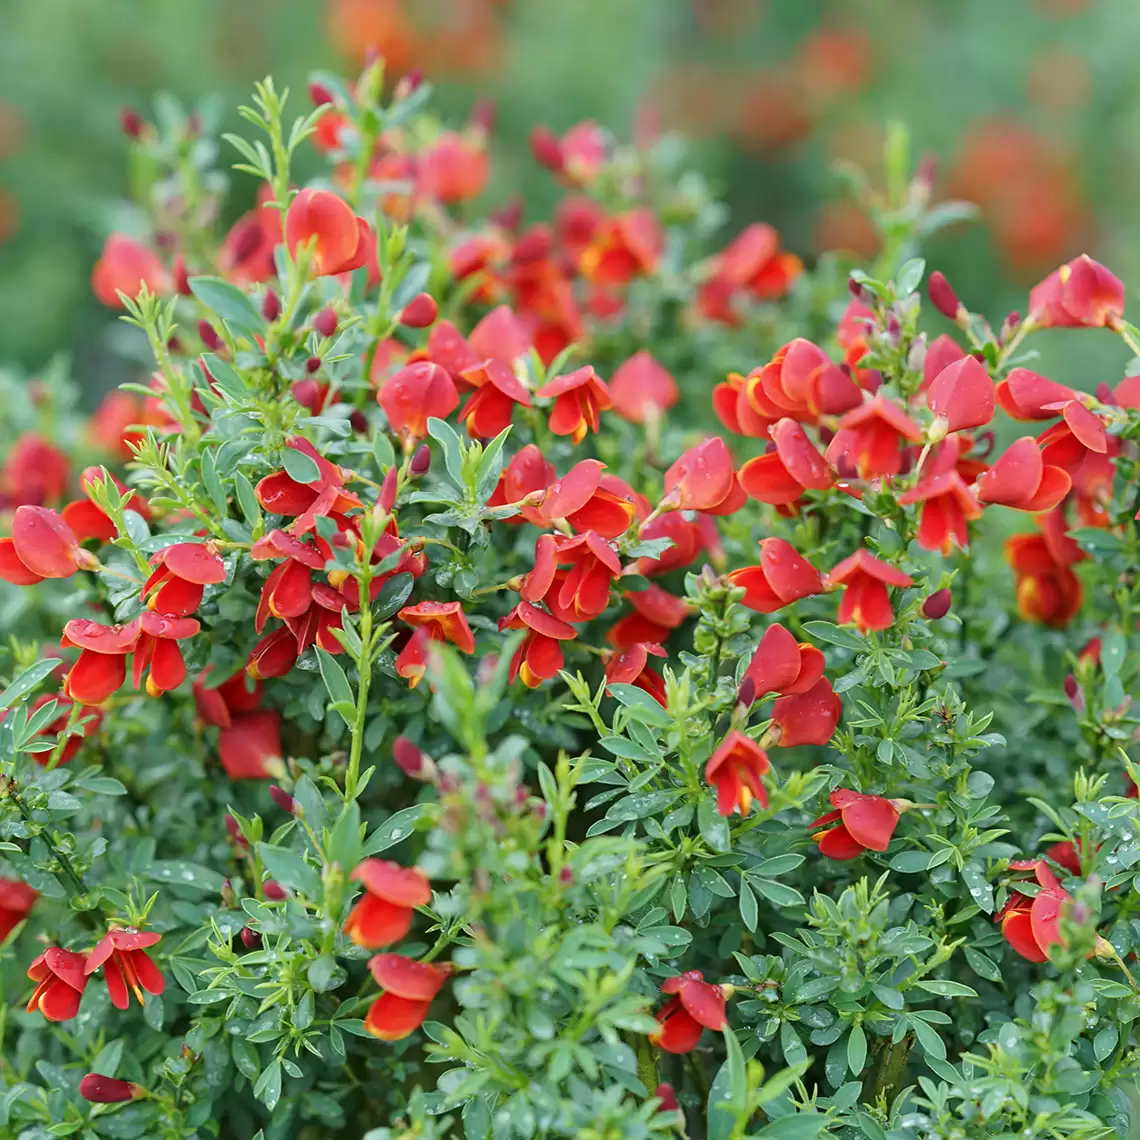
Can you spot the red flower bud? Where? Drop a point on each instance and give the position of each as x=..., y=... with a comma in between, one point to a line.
x=320, y=94
x=668, y=1098
x=313, y=364
x=421, y=461
x=181, y=277
x=855, y=288
x=235, y=831
x=419, y=312
x=325, y=322
x=283, y=800
x=937, y=605
x=108, y=1090
x=274, y=891
x=209, y=336
x=131, y=122
x=250, y=939
x=566, y=876
x=270, y=305
x=546, y=148
x=942, y=296
x=747, y=692
x=412, y=761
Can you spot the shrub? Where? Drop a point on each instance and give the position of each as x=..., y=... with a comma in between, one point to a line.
x=415, y=762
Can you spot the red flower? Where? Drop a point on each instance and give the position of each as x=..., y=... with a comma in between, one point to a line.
x=491, y=406
x=409, y=988
x=642, y=389
x=809, y=717
x=339, y=239
x=783, y=665
x=866, y=601
x=782, y=577
x=1077, y=436
x=102, y=664
x=694, y=1006
x=584, y=591
x=249, y=743
x=127, y=967
x=1021, y=479
x=736, y=770
x=623, y=247
x=871, y=439
x=453, y=169
x=183, y=572
x=435, y=621
x=540, y=654
x=578, y=398
x=1047, y=590
x=157, y=653
x=1030, y=926
x=35, y=472
x=948, y=505
x=782, y=476
x=864, y=823
x=580, y=499
x=281, y=494
x=1081, y=294
x=16, y=900
x=415, y=393
x=125, y=266
x=631, y=667
x=1026, y=395
x=288, y=591
x=960, y=396
x=42, y=546
x=703, y=479
x=656, y=614
x=527, y=473
x=383, y=915
x=99, y=1089
x=60, y=980
x=273, y=656
x=940, y=354
x=752, y=261
x=1066, y=855
x=89, y=721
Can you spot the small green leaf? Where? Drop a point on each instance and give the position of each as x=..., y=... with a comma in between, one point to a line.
x=290, y=869
x=910, y=276
x=228, y=302
x=383, y=452
x=268, y=1087
x=336, y=684
x=396, y=828
x=713, y=826
x=833, y=635
x=247, y=499
x=27, y=680
x=298, y=466
x=856, y=1050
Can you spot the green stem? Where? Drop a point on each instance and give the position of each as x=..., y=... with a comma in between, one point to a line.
x=364, y=669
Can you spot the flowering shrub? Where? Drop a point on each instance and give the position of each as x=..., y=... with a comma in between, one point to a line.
x=551, y=680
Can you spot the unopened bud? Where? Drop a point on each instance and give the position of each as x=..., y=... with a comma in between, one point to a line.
x=566, y=876
x=235, y=831
x=359, y=421
x=270, y=305
x=387, y=498
x=320, y=94
x=937, y=605
x=99, y=1089
x=419, y=312
x=410, y=83
x=131, y=122
x=668, y=1098
x=325, y=321
x=413, y=761
x=181, y=277
x=942, y=296
x=284, y=800
x=510, y=215
x=209, y=336
x=747, y=693
x=1009, y=326
x=855, y=288
x=546, y=148
x=228, y=895
x=421, y=461
x=313, y=364
x=250, y=939
x=274, y=891
x=1074, y=693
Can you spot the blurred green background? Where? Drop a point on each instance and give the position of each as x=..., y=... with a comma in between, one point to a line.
x=1032, y=108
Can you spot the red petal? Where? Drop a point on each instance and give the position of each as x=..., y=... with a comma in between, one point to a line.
x=392, y=1018
x=407, y=978
x=195, y=562
x=374, y=922
x=44, y=543
x=404, y=886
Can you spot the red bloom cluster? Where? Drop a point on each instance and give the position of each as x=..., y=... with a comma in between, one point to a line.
x=694, y=1005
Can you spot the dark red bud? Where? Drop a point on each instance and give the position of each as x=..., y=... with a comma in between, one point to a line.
x=565, y=875
x=283, y=799
x=927, y=172
x=421, y=461
x=747, y=693
x=942, y=296
x=387, y=498
x=270, y=305
x=99, y=1089
x=1073, y=692
x=937, y=605
x=546, y=148
x=235, y=831
x=209, y=336
x=131, y=122
x=413, y=761
x=250, y=939
x=181, y=277
x=668, y=1098
x=419, y=312
x=325, y=321
x=855, y=288
x=414, y=79
x=313, y=364
x=510, y=215
x=307, y=393
x=320, y=94
x=359, y=421
x=274, y=891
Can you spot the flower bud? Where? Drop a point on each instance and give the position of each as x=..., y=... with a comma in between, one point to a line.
x=274, y=891
x=1075, y=695
x=509, y=217
x=943, y=297
x=181, y=277
x=388, y=488
x=410, y=83
x=99, y=1089
x=235, y=831
x=668, y=1098
x=1009, y=326
x=325, y=321
x=131, y=122
x=313, y=364
x=320, y=94
x=546, y=148
x=747, y=693
x=284, y=800
x=855, y=288
x=412, y=761
x=359, y=421
x=566, y=876
x=228, y=895
x=209, y=336
x=421, y=461
x=419, y=312
x=250, y=939
x=270, y=305
x=937, y=605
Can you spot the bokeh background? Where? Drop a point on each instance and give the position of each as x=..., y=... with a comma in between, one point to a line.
x=1032, y=108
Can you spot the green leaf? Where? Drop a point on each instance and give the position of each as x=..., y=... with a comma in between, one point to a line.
x=1105, y=1041
x=192, y=875
x=27, y=680
x=713, y=826
x=944, y=988
x=856, y=1050
x=393, y=594
x=445, y=435
x=779, y=894
x=833, y=635
x=336, y=684
x=290, y=869
x=298, y=466
x=246, y=1058
x=344, y=842
x=720, y=1120
x=213, y=484
x=268, y=1087
x=910, y=862
x=798, y=1126
x=228, y=302
x=396, y=828
x=641, y=705
x=910, y=276
x=247, y=499
x=929, y=1040
x=383, y=452
x=982, y=965
x=226, y=377
x=748, y=911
